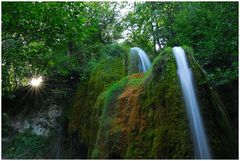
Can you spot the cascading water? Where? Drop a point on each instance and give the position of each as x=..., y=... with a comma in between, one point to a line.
x=201, y=148
x=143, y=60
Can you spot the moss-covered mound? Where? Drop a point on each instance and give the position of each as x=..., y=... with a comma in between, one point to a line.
x=84, y=116
x=143, y=116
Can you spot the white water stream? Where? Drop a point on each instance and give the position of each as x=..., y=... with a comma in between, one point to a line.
x=201, y=148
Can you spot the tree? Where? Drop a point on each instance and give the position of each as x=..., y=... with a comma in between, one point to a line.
x=39, y=34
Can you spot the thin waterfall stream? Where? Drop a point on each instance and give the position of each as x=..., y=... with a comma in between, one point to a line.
x=59, y=142
x=143, y=60
x=201, y=148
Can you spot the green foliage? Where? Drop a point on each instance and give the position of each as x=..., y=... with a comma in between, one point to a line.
x=139, y=24
x=114, y=51
x=60, y=29
x=5, y=125
x=62, y=64
x=26, y=145
x=110, y=68
x=214, y=38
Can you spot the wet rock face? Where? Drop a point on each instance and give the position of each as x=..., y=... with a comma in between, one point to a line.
x=54, y=111
x=40, y=122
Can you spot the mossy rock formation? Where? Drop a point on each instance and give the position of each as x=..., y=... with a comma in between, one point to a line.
x=143, y=116
x=85, y=115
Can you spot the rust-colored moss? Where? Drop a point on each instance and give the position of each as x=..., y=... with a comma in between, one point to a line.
x=130, y=116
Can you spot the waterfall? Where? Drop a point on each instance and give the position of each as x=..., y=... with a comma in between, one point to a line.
x=143, y=63
x=59, y=142
x=201, y=148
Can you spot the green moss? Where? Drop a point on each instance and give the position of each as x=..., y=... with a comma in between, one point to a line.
x=131, y=151
x=112, y=93
x=88, y=105
x=108, y=113
x=162, y=101
x=110, y=68
x=135, y=82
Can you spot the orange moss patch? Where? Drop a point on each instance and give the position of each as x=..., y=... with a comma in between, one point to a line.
x=137, y=75
x=129, y=117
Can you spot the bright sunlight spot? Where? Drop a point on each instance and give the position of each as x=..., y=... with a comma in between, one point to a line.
x=36, y=82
